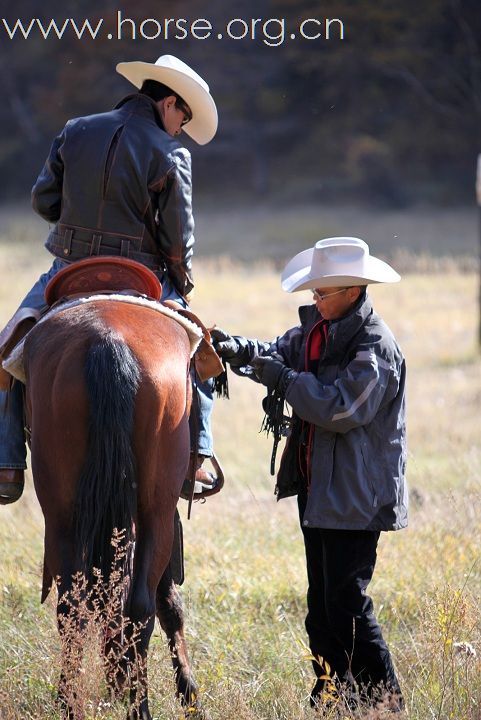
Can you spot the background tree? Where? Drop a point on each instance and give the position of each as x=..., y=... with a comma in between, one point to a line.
x=390, y=114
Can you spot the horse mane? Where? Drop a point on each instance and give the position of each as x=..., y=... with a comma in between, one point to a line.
x=106, y=494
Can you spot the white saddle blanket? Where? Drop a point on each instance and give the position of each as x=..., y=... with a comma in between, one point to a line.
x=13, y=363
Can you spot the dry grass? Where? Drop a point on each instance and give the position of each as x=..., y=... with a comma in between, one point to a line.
x=245, y=586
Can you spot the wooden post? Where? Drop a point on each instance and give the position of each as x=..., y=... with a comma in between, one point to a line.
x=478, y=198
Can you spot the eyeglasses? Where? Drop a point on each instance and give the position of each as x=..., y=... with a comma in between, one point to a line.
x=324, y=296
x=185, y=109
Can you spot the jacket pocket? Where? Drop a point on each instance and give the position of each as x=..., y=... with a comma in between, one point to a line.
x=369, y=476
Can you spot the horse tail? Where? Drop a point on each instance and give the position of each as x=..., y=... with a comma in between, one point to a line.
x=106, y=491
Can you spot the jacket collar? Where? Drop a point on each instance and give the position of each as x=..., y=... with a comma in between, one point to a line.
x=141, y=104
x=340, y=331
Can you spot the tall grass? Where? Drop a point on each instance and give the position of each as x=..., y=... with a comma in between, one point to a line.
x=245, y=576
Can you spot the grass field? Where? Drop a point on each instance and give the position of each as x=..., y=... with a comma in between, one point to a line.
x=245, y=586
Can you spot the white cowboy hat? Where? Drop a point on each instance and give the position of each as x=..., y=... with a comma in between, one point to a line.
x=185, y=82
x=336, y=262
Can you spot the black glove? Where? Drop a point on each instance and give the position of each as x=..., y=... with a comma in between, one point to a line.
x=224, y=344
x=272, y=372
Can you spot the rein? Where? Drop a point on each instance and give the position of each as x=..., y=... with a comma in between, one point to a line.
x=275, y=421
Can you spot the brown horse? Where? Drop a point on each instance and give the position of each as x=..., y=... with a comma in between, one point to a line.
x=108, y=396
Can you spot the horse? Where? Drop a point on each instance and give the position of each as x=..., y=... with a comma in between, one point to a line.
x=108, y=395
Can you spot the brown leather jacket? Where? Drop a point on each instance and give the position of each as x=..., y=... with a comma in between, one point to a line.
x=116, y=183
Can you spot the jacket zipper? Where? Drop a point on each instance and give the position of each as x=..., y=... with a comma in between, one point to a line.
x=110, y=157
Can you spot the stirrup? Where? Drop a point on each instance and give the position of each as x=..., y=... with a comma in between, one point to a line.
x=205, y=483
x=12, y=482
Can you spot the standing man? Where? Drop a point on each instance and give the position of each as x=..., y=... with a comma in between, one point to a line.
x=119, y=183
x=343, y=374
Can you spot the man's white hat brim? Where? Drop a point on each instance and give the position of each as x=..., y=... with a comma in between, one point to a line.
x=320, y=267
x=185, y=82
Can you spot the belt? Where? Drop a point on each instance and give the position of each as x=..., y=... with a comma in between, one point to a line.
x=75, y=243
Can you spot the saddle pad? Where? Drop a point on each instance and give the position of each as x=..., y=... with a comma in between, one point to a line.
x=14, y=362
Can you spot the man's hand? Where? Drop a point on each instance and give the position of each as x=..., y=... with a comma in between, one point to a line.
x=272, y=372
x=224, y=344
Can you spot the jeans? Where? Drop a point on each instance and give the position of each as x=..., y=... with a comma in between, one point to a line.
x=12, y=434
x=340, y=621
x=201, y=424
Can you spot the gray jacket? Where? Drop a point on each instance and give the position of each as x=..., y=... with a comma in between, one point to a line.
x=356, y=409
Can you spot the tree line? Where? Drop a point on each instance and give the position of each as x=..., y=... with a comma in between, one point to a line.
x=385, y=110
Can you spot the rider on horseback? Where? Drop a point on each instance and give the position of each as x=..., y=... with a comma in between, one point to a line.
x=119, y=183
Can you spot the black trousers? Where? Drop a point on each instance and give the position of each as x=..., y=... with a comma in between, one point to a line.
x=340, y=621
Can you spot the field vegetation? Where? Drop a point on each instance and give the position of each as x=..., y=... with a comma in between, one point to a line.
x=245, y=577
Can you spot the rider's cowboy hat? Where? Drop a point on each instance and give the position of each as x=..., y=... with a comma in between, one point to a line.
x=336, y=262
x=186, y=83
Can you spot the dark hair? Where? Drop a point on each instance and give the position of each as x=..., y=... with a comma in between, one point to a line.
x=157, y=91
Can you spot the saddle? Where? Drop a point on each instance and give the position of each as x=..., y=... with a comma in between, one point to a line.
x=95, y=276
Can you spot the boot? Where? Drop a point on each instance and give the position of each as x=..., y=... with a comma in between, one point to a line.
x=11, y=485
x=205, y=482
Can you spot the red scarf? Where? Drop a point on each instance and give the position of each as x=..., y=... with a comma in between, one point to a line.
x=316, y=342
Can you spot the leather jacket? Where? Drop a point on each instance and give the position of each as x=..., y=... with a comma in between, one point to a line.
x=117, y=183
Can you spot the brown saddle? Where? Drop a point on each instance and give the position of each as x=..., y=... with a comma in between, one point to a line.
x=102, y=274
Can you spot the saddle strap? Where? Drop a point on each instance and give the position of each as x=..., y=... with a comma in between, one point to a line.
x=206, y=361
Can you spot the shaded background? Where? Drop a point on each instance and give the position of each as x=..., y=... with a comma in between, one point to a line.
x=389, y=116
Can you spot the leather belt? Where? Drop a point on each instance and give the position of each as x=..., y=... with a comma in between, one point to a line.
x=73, y=243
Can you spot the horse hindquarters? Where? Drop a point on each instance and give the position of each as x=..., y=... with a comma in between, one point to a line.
x=121, y=426
x=82, y=395
x=158, y=450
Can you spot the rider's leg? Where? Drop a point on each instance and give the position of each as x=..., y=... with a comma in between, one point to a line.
x=12, y=445
x=200, y=427
x=203, y=426
x=200, y=417
x=12, y=434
